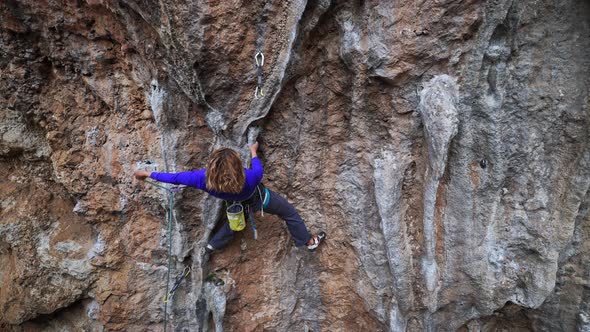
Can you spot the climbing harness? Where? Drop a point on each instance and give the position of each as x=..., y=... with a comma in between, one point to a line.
x=171, y=192
x=236, y=214
x=170, y=294
x=264, y=203
x=259, y=60
x=264, y=200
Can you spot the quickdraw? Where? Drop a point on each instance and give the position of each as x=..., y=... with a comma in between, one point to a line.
x=170, y=294
x=259, y=60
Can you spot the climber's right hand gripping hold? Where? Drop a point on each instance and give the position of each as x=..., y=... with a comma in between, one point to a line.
x=142, y=175
x=254, y=149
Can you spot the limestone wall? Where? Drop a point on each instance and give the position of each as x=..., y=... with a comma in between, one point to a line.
x=444, y=146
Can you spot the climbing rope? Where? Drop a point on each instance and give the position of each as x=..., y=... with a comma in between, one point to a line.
x=171, y=192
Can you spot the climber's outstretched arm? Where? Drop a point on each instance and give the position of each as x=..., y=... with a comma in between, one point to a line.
x=192, y=178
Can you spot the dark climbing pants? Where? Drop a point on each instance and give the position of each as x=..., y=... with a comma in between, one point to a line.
x=277, y=205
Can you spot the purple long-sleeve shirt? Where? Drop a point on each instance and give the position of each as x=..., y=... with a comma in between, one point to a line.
x=198, y=179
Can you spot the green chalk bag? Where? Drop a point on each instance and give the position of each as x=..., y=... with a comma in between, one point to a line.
x=235, y=215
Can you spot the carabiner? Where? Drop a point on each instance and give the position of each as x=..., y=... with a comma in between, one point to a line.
x=187, y=271
x=260, y=62
x=258, y=92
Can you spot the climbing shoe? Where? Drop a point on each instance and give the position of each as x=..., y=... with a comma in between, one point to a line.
x=317, y=239
x=209, y=249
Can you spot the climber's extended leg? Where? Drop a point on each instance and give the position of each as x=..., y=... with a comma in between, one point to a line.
x=279, y=206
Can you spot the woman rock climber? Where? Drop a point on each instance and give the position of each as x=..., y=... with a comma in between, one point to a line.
x=226, y=178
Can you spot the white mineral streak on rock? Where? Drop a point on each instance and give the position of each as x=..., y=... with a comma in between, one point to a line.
x=253, y=134
x=80, y=207
x=351, y=46
x=584, y=319
x=92, y=310
x=168, y=140
x=156, y=98
x=397, y=322
x=168, y=145
x=91, y=136
x=438, y=107
x=215, y=120
x=215, y=301
x=97, y=248
x=388, y=174
x=67, y=246
x=77, y=268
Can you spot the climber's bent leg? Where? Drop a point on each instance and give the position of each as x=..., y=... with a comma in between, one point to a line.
x=222, y=237
x=279, y=206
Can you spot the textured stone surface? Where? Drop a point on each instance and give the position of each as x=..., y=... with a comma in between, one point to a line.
x=443, y=146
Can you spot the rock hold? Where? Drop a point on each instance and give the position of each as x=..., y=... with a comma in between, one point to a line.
x=438, y=106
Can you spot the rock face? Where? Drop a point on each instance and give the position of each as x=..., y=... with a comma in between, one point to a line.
x=444, y=146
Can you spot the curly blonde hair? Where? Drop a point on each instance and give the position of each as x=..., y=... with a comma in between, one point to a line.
x=225, y=173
